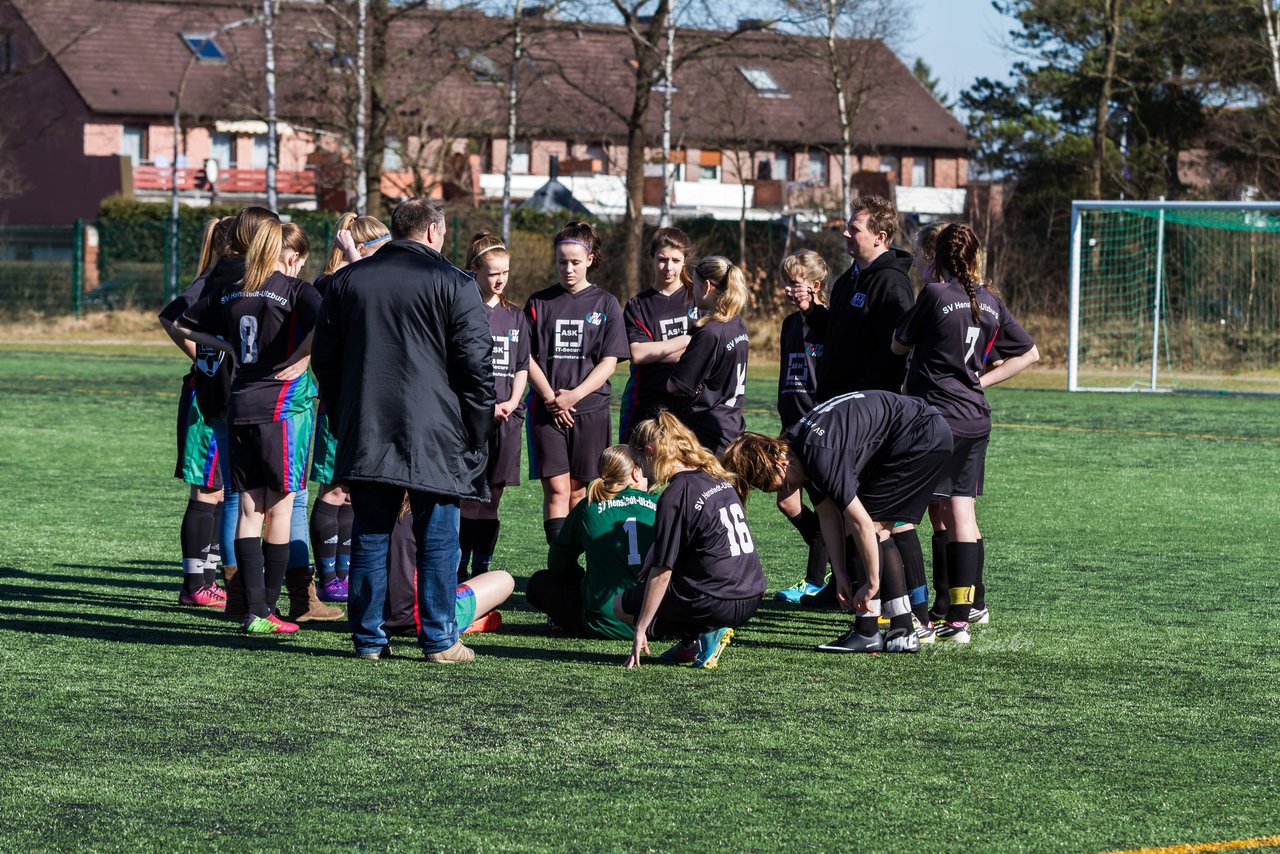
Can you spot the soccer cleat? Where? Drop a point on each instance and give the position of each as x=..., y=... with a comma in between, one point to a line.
x=488, y=623
x=901, y=641
x=217, y=592
x=456, y=654
x=793, y=593
x=925, y=632
x=268, y=625
x=685, y=652
x=385, y=652
x=979, y=616
x=824, y=598
x=711, y=646
x=954, y=632
x=205, y=597
x=851, y=641
x=332, y=591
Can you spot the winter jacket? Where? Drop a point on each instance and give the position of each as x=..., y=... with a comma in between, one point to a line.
x=402, y=354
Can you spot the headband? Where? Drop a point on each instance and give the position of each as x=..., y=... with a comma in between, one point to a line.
x=487, y=249
x=376, y=240
x=590, y=251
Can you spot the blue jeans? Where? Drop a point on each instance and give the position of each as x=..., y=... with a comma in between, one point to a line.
x=435, y=525
x=298, y=536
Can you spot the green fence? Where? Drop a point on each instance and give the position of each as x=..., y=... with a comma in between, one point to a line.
x=38, y=270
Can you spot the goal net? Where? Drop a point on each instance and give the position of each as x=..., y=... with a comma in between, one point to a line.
x=1169, y=296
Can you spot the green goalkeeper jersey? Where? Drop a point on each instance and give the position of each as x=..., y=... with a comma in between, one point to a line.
x=615, y=535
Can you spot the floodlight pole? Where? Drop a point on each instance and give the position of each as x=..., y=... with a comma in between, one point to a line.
x=273, y=157
x=1155, y=311
x=668, y=75
x=362, y=109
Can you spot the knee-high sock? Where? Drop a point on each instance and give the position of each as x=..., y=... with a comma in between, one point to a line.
x=275, y=559
x=867, y=623
x=963, y=560
x=893, y=587
x=484, y=544
x=552, y=528
x=979, y=588
x=466, y=541
x=941, y=576
x=908, y=543
x=806, y=522
x=346, y=516
x=324, y=540
x=215, y=548
x=249, y=553
x=197, y=532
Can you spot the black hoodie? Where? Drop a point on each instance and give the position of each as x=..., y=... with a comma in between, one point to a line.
x=865, y=309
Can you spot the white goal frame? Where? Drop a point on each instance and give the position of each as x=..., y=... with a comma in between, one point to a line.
x=1078, y=208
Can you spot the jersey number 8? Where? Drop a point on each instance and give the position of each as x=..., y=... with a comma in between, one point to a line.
x=248, y=340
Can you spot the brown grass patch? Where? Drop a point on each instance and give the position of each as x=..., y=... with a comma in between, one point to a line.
x=125, y=326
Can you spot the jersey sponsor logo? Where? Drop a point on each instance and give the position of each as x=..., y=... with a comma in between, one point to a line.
x=693, y=313
x=797, y=370
x=208, y=359
x=814, y=351
x=514, y=335
x=569, y=335
x=673, y=327
x=858, y=301
x=596, y=318
x=501, y=353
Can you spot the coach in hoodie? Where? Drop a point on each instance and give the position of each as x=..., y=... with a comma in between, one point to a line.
x=402, y=353
x=866, y=304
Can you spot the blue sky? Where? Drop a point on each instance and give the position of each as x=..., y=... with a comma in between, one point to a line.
x=961, y=40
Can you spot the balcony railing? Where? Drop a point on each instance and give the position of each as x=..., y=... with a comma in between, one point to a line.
x=160, y=178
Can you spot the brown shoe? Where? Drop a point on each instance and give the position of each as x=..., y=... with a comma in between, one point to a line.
x=385, y=652
x=236, y=607
x=456, y=654
x=304, y=605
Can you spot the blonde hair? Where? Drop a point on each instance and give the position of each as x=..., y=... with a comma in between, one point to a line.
x=213, y=241
x=805, y=266
x=267, y=249
x=362, y=228
x=730, y=284
x=245, y=228
x=754, y=459
x=674, y=446
x=616, y=465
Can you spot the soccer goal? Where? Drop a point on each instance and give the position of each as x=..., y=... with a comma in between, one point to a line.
x=1175, y=296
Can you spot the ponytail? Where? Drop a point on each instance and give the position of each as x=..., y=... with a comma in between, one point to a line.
x=674, y=445
x=263, y=255
x=730, y=284
x=959, y=257
x=338, y=258
x=213, y=241
x=616, y=465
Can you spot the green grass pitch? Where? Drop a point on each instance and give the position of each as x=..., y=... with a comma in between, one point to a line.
x=1125, y=695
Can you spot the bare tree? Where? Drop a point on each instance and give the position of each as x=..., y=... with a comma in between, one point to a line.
x=1103, y=109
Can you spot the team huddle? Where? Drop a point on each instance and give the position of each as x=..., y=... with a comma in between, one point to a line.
x=406, y=388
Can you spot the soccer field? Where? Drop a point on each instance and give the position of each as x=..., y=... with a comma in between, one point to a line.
x=1126, y=693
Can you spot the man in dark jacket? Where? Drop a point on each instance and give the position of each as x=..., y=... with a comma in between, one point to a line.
x=402, y=354
x=866, y=304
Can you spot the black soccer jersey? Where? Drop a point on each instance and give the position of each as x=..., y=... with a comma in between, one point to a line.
x=652, y=316
x=712, y=373
x=800, y=345
x=265, y=326
x=949, y=352
x=510, y=333
x=570, y=334
x=701, y=533
x=840, y=439
x=211, y=371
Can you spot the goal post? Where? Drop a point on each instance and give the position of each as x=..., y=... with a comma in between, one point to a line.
x=1174, y=296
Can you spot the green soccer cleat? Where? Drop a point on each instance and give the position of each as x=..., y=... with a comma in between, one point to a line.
x=268, y=625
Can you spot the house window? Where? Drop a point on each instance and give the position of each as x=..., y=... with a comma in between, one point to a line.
x=204, y=47
x=782, y=166
x=133, y=144
x=259, y=152
x=889, y=163
x=762, y=81
x=596, y=151
x=7, y=61
x=520, y=158
x=481, y=65
x=223, y=150
x=920, y=171
x=817, y=167
x=327, y=50
x=709, y=166
x=391, y=159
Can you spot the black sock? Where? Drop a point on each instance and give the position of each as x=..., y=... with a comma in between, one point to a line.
x=275, y=559
x=346, y=517
x=249, y=555
x=908, y=543
x=806, y=522
x=214, y=554
x=980, y=589
x=863, y=625
x=552, y=528
x=197, y=531
x=963, y=560
x=324, y=540
x=486, y=541
x=466, y=541
x=893, y=587
x=941, y=577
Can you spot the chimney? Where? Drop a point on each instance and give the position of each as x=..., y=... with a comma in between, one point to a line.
x=555, y=167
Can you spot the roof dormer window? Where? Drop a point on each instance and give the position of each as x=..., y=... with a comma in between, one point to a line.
x=762, y=81
x=204, y=47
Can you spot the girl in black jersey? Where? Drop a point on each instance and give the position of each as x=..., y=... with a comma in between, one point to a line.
x=704, y=576
x=803, y=275
x=953, y=326
x=265, y=322
x=577, y=339
x=199, y=454
x=658, y=321
x=490, y=263
x=710, y=380
x=355, y=237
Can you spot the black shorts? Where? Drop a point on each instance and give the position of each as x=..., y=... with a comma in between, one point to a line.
x=504, y=452
x=645, y=405
x=962, y=475
x=685, y=617
x=574, y=451
x=899, y=486
x=272, y=455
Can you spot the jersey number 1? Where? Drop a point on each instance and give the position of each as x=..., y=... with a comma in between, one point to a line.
x=738, y=533
x=633, y=543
